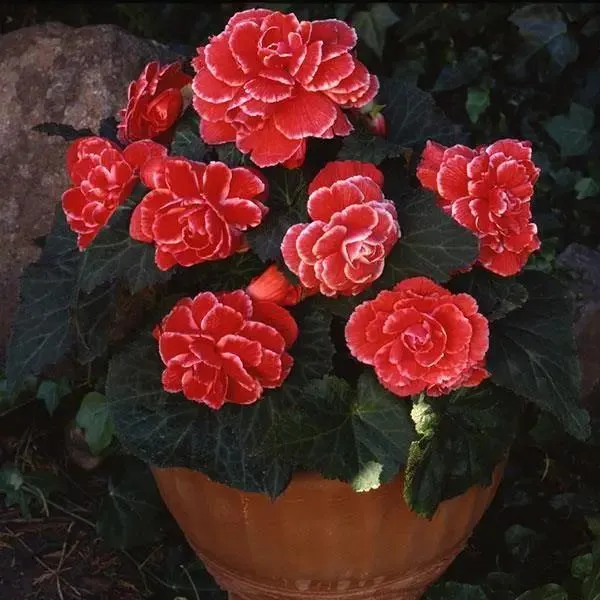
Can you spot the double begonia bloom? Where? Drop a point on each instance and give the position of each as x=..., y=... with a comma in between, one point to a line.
x=225, y=347
x=272, y=285
x=353, y=229
x=420, y=338
x=196, y=212
x=103, y=177
x=154, y=103
x=268, y=82
x=487, y=190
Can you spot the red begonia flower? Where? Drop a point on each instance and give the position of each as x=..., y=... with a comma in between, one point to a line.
x=103, y=176
x=274, y=286
x=268, y=82
x=154, y=102
x=225, y=347
x=487, y=190
x=419, y=337
x=353, y=229
x=196, y=212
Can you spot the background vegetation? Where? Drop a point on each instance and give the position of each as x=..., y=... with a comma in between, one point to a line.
x=527, y=71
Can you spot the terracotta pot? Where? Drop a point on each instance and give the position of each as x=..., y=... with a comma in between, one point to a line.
x=319, y=539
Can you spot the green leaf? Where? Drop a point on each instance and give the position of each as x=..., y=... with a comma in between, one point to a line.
x=463, y=72
x=496, y=296
x=587, y=187
x=114, y=254
x=520, y=541
x=364, y=146
x=571, y=132
x=343, y=433
x=563, y=50
x=453, y=590
x=591, y=585
x=413, y=117
x=478, y=99
x=91, y=320
x=129, y=513
x=229, y=445
x=539, y=25
x=532, y=352
x=550, y=591
x=371, y=25
x=52, y=392
x=287, y=205
x=95, y=419
x=464, y=436
x=432, y=244
x=221, y=275
x=42, y=331
x=582, y=566
x=230, y=155
x=186, y=138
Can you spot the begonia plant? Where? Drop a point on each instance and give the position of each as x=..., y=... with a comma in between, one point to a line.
x=269, y=273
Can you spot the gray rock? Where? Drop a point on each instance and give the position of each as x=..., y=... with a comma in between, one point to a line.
x=584, y=263
x=52, y=73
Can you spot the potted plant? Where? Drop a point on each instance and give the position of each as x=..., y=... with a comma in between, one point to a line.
x=310, y=305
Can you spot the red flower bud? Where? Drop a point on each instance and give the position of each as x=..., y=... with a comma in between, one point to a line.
x=377, y=125
x=273, y=286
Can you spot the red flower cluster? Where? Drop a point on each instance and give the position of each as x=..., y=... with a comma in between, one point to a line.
x=487, y=190
x=154, y=102
x=225, y=347
x=353, y=229
x=103, y=176
x=268, y=82
x=196, y=212
x=420, y=338
x=272, y=285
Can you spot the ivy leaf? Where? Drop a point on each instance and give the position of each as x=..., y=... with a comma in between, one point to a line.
x=229, y=445
x=591, y=585
x=539, y=25
x=532, y=352
x=371, y=25
x=521, y=541
x=413, y=117
x=364, y=146
x=432, y=244
x=478, y=100
x=587, y=187
x=564, y=50
x=463, y=437
x=496, y=296
x=52, y=392
x=456, y=591
x=463, y=72
x=342, y=432
x=550, y=591
x=186, y=139
x=94, y=418
x=114, y=254
x=571, y=132
x=287, y=201
x=129, y=512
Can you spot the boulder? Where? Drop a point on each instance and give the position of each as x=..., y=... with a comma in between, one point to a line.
x=52, y=73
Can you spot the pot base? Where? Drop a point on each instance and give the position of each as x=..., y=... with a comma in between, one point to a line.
x=407, y=587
